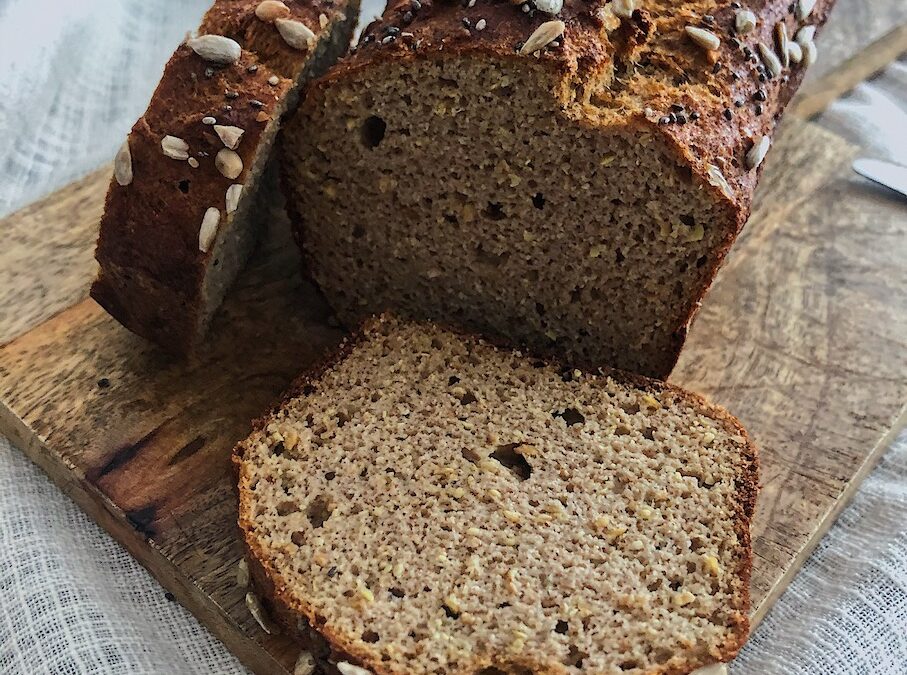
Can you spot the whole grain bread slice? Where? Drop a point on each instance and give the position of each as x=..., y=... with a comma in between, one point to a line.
x=427, y=502
x=180, y=219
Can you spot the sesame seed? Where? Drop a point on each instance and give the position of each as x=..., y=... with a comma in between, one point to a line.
x=273, y=80
x=480, y=24
x=694, y=115
x=232, y=94
x=209, y=120
x=255, y=103
x=728, y=115
x=466, y=22
x=759, y=95
x=252, y=69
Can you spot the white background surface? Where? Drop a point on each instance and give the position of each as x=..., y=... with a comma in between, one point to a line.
x=74, y=76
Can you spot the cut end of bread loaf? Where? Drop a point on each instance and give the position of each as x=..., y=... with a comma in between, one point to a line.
x=430, y=503
x=478, y=200
x=176, y=234
x=572, y=182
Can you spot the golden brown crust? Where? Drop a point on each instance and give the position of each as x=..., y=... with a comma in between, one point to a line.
x=148, y=247
x=299, y=620
x=236, y=19
x=152, y=269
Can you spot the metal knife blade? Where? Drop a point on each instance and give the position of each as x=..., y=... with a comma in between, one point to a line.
x=890, y=175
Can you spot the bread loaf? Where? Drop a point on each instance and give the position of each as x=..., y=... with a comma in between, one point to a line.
x=567, y=174
x=179, y=221
x=430, y=503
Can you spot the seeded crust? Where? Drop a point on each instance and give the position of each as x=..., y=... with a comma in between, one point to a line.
x=344, y=542
x=444, y=175
x=154, y=278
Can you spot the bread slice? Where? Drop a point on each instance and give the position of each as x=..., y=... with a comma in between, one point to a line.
x=570, y=180
x=180, y=219
x=430, y=503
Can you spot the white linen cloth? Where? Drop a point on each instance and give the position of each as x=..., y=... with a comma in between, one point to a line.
x=74, y=76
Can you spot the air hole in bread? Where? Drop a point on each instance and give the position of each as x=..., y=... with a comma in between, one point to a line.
x=449, y=613
x=358, y=232
x=184, y=186
x=538, y=200
x=370, y=636
x=619, y=256
x=561, y=627
x=319, y=511
x=330, y=475
x=397, y=592
x=629, y=665
x=649, y=433
x=373, y=129
x=298, y=537
x=508, y=457
x=570, y=416
x=701, y=261
x=494, y=211
x=575, y=657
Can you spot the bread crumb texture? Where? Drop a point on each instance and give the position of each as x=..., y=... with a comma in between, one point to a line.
x=430, y=503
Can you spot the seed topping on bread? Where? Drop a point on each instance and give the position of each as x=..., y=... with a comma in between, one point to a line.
x=175, y=148
x=295, y=33
x=122, y=165
x=230, y=136
x=216, y=48
x=271, y=10
x=542, y=36
x=208, y=230
x=229, y=163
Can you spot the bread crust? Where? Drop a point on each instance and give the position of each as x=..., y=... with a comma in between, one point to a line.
x=304, y=624
x=621, y=75
x=152, y=269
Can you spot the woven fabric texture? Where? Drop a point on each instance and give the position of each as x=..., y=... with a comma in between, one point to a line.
x=74, y=76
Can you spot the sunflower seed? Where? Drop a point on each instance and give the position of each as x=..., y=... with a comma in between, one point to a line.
x=781, y=42
x=216, y=48
x=323, y=20
x=295, y=33
x=744, y=21
x=305, y=664
x=702, y=37
x=234, y=192
x=805, y=34
x=716, y=178
x=805, y=8
x=349, y=669
x=228, y=163
x=208, y=230
x=794, y=52
x=229, y=136
x=270, y=10
x=552, y=7
x=242, y=574
x=193, y=162
x=758, y=152
x=542, y=36
x=810, y=53
x=258, y=613
x=175, y=148
x=122, y=165
x=623, y=9
x=770, y=59
x=209, y=120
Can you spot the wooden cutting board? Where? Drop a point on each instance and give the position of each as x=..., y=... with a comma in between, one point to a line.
x=804, y=337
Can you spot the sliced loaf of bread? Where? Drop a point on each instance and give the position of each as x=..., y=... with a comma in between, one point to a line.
x=180, y=222
x=566, y=174
x=430, y=503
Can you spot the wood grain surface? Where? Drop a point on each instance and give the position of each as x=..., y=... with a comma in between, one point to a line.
x=804, y=337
